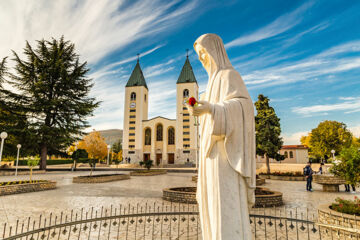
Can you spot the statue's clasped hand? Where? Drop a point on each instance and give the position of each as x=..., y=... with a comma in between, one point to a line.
x=202, y=107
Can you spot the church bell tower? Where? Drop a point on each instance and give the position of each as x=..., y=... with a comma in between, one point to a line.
x=186, y=130
x=135, y=111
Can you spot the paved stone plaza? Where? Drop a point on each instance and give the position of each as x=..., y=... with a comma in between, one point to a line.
x=69, y=195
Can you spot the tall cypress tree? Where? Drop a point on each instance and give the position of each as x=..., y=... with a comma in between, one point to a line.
x=53, y=94
x=267, y=127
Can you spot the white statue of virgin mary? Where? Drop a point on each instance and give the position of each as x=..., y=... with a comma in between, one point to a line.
x=227, y=167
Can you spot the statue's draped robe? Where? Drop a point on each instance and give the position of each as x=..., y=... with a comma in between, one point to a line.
x=227, y=164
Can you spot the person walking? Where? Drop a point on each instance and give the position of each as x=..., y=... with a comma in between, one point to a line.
x=308, y=172
x=321, y=168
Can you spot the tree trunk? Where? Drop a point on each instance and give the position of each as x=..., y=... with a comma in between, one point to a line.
x=267, y=164
x=43, y=157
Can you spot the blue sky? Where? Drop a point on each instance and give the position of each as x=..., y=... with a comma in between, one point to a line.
x=303, y=55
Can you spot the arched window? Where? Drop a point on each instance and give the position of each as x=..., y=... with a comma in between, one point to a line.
x=286, y=154
x=186, y=93
x=145, y=97
x=159, y=132
x=133, y=96
x=291, y=154
x=171, y=136
x=148, y=136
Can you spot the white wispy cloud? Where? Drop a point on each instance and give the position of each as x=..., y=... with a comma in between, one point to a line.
x=293, y=138
x=349, y=105
x=278, y=26
x=96, y=27
x=325, y=63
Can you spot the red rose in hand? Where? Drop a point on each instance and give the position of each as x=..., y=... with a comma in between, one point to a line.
x=192, y=101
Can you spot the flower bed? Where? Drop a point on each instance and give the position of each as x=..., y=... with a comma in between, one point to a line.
x=15, y=187
x=147, y=172
x=334, y=218
x=100, y=178
x=347, y=206
x=284, y=176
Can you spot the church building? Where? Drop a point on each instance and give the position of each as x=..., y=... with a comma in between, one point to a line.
x=165, y=141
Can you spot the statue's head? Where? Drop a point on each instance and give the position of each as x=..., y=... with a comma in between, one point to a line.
x=203, y=56
x=211, y=51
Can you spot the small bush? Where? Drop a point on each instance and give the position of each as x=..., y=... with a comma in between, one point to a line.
x=147, y=164
x=347, y=206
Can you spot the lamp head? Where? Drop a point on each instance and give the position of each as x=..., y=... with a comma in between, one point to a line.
x=3, y=135
x=18, y=146
x=108, y=146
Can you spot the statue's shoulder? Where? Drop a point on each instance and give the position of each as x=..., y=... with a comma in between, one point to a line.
x=229, y=74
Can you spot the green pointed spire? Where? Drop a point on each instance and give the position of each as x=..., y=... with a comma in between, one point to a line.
x=187, y=74
x=137, y=77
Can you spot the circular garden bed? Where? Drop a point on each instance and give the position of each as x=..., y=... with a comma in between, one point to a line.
x=282, y=177
x=263, y=196
x=180, y=195
x=100, y=178
x=342, y=225
x=148, y=172
x=330, y=183
x=267, y=198
x=15, y=187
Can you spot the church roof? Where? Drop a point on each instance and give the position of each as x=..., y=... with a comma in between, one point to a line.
x=187, y=74
x=137, y=77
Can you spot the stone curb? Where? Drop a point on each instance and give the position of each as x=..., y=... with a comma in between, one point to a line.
x=27, y=187
x=100, y=178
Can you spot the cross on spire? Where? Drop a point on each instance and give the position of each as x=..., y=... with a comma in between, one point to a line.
x=138, y=57
x=187, y=53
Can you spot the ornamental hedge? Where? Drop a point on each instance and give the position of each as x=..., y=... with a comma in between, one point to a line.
x=20, y=182
x=58, y=161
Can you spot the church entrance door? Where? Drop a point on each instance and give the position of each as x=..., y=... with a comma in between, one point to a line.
x=146, y=156
x=158, y=158
x=170, y=158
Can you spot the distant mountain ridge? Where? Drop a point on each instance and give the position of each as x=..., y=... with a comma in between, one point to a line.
x=111, y=135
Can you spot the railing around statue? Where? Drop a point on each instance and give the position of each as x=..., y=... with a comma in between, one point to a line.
x=162, y=221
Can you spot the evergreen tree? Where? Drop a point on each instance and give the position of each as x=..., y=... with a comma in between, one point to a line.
x=53, y=94
x=267, y=127
x=12, y=120
x=117, y=146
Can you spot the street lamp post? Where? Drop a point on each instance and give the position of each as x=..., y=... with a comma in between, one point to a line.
x=3, y=135
x=333, y=154
x=17, y=157
x=108, y=148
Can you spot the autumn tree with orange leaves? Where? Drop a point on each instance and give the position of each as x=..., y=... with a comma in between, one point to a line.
x=95, y=145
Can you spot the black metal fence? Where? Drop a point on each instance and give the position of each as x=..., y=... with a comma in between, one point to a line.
x=162, y=221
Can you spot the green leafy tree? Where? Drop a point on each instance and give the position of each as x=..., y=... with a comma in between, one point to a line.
x=54, y=94
x=349, y=165
x=329, y=135
x=267, y=127
x=31, y=164
x=117, y=146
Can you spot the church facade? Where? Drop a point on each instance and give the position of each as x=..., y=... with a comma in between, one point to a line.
x=165, y=141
